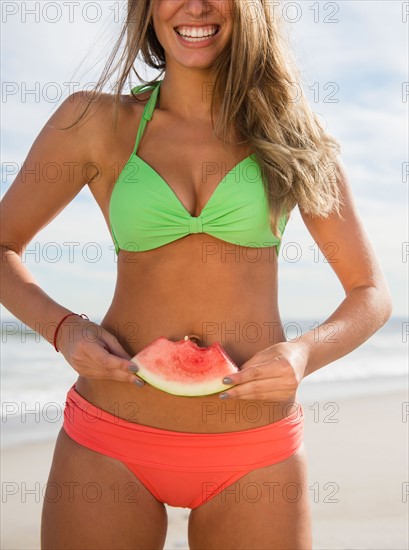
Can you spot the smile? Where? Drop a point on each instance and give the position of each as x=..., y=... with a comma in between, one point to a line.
x=197, y=34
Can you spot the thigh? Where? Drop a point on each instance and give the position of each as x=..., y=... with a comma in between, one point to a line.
x=266, y=508
x=93, y=501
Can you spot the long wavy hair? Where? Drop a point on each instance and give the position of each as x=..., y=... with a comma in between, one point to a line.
x=265, y=103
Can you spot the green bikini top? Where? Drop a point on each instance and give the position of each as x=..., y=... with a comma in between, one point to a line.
x=145, y=213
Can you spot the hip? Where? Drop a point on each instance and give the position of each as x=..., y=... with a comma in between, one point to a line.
x=152, y=407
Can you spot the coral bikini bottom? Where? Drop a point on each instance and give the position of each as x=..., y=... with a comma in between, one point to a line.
x=182, y=469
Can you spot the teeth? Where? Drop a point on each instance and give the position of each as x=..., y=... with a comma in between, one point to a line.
x=195, y=32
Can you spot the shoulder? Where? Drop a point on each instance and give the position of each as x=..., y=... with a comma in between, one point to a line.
x=99, y=105
x=92, y=117
x=93, y=108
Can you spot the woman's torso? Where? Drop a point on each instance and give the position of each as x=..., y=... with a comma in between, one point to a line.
x=197, y=285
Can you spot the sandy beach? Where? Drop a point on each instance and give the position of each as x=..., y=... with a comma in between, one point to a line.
x=357, y=450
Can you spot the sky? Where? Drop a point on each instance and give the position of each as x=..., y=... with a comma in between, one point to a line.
x=354, y=65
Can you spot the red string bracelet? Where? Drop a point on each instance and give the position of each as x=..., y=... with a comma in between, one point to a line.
x=61, y=322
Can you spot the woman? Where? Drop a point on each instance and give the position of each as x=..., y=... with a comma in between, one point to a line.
x=197, y=222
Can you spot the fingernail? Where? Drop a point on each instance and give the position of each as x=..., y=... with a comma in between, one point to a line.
x=224, y=396
x=227, y=380
x=139, y=383
x=133, y=368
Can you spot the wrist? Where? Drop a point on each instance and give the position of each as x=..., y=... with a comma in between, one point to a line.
x=66, y=329
x=303, y=352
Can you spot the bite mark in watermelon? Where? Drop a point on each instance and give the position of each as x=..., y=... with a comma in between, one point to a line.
x=183, y=368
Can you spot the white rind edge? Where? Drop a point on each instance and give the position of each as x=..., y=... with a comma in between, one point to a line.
x=186, y=390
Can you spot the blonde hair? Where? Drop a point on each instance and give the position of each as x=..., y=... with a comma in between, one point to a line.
x=297, y=157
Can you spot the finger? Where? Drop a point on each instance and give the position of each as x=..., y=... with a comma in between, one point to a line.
x=114, y=346
x=262, y=356
x=256, y=391
x=111, y=367
x=257, y=371
x=116, y=349
x=115, y=369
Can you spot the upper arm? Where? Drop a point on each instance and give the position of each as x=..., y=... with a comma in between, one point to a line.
x=344, y=242
x=52, y=174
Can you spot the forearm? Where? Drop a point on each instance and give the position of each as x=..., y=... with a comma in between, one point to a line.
x=363, y=311
x=23, y=297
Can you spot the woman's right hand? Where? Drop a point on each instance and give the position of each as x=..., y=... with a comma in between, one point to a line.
x=93, y=352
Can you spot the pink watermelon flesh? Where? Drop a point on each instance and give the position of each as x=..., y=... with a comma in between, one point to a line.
x=184, y=368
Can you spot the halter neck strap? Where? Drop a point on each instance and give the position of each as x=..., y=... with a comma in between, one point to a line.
x=148, y=110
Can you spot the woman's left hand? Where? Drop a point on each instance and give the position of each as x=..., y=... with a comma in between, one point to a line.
x=272, y=374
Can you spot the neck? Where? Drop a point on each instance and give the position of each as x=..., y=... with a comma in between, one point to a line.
x=188, y=98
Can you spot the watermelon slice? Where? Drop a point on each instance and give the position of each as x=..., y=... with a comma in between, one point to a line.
x=184, y=368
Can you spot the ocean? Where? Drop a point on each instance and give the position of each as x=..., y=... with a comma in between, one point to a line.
x=35, y=379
